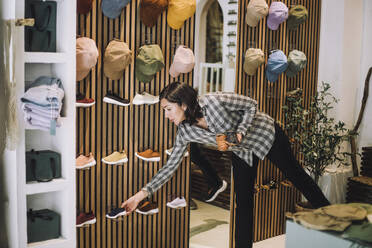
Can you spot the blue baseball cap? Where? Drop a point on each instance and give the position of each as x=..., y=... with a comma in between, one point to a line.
x=276, y=64
x=112, y=8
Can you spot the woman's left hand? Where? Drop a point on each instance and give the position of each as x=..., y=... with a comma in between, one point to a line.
x=239, y=136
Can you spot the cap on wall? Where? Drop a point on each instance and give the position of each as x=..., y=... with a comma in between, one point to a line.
x=256, y=10
x=179, y=11
x=83, y=6
x=112, y=8
x=254, y=58
x=278, y=13
x=297, y=15
x=276, y=64
x=149, y=61
x=86, y=56
x=150, y=10
x=117, y=57
x=183, y=62
x=296, y=62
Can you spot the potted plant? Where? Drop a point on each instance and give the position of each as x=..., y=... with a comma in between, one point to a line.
x=313, y=133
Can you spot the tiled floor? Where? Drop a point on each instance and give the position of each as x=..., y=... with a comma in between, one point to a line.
x=209, y=228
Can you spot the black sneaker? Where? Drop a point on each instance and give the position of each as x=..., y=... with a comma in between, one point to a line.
x=116, y=212
x=115, y=99
x=213, y=193
x=193, y=205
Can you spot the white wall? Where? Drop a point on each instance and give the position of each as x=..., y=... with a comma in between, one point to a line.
x=344, y=59
x=365, y=134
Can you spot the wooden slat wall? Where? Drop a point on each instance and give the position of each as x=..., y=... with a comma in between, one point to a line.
x=105, y=128
x=270, y=206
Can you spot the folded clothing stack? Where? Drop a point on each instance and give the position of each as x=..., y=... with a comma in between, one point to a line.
x=42, y=103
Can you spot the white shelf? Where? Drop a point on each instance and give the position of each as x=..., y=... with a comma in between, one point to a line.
x=45, y=58
x=54, y=185
x=52, y=243
x=59, y=194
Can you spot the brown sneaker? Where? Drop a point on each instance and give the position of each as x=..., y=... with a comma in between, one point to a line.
x=85, y=219
x=149, y=155
x=147, y=207
x=83, y=161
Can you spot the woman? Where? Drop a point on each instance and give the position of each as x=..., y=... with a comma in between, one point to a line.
x=258, y=136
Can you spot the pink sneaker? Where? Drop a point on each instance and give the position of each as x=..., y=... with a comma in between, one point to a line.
x=83, y=161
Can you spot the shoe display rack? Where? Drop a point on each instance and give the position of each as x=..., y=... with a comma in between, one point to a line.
x=56, y=195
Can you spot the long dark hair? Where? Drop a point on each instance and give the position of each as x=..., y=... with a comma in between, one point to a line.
x=182, y=93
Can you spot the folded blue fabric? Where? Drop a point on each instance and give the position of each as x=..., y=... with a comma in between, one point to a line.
x=276, y=64
x=45, y=92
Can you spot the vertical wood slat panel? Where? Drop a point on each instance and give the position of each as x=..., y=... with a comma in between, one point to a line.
x=104, y=128
x=270, y=206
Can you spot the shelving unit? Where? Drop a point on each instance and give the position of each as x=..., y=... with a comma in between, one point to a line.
x=35, y=57
x=53, y=243
x=58, y=194
x=54, y=185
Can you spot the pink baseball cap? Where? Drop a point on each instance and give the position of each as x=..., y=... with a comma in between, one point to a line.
x=183, y=61
x=278, y=13
x=86, y=57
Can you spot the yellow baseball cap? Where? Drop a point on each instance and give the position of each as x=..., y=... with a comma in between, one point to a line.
x=179, y=11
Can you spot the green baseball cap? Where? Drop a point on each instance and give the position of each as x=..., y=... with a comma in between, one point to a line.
x=297, y=15
x=149, y=61
x=296, y=62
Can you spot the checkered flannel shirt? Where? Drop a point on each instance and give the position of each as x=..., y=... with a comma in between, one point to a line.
x=223, y=112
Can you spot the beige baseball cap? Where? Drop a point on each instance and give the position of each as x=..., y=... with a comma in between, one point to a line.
x=117, y=57
x=86, y=56
x=254, y=58
x=183, y=61
x=256, y=10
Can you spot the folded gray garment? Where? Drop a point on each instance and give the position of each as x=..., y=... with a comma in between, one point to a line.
x=36, y=119
x=41, y=124
x=45, y=91
x=40, y=118
x=41, y=111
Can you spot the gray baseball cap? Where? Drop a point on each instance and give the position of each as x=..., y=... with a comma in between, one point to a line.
x=112, y=8
x=296, y=62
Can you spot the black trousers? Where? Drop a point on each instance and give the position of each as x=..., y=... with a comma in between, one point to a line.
x=281, y=155
x=198, y=158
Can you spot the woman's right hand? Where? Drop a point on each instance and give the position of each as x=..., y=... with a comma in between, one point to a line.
x=131, y=204
x=222, y=144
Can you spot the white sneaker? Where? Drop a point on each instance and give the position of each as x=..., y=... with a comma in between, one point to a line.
x=145, y=98
x=179, y=202
x=170, y=150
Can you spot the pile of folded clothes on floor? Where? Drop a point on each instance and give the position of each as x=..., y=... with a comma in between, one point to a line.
x=42, y=103
x=352, y=220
